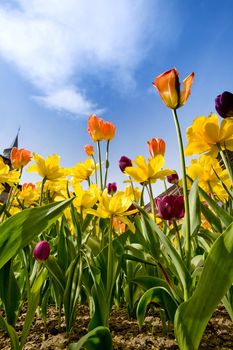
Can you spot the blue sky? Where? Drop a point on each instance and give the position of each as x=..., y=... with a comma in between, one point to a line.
x=63, y=60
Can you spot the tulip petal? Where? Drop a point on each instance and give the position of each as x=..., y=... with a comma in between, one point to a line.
x=187, y=83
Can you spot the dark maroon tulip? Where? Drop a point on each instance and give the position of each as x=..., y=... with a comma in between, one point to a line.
x=42, y=250
x=173, y=178
x=112, y=187
x=170, y=207
x=224, y=104
x=124, y=162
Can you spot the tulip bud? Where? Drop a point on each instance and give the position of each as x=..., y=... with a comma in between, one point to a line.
x=112, y=188
x=156, y=146
x=224, y=104
x=170, y=207
x=89, y=150
x=124, y=162
x=42, y=251
x=173, y=178
x=20, y=157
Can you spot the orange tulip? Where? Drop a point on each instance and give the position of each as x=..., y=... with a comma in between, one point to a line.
x=100, y=130
x=28, y=185
x=168, y=86
x=108, y=131
x=20, y=157
x=156, y=146
x=95, y=126
x=89, y=150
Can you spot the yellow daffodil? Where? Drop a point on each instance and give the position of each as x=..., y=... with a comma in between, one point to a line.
x=205, y=135
x=85, y=198
x=133, y=193
x=82, y=171
x=57, y=190
x=114, y=206
x=48, y=168
x=206, y=168
x=29, y=194
x=7, y=176
x=148, y=171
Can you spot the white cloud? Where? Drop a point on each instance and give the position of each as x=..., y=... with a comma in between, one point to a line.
x=54, y=42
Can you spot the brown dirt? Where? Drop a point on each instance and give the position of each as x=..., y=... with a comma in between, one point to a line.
x=125, y=332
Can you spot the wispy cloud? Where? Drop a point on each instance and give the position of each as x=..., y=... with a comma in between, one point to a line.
x=56, y=43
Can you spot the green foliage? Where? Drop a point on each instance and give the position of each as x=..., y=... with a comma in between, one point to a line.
x=193, y=315
x=19, y=230
x=98, y=338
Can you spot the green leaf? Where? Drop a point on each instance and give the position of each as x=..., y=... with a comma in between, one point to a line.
x=193, y=315
x=181, y=270
x=148, y=282
x=12, y=333
x=9, y=292
x=219, y=211
x=101, y=309
x=195, y=210
x=98, y=338
x=56, y=274
x=72, y=290
x=158, y=295
x=213, y=219
x=33, y=302
x=19, y=230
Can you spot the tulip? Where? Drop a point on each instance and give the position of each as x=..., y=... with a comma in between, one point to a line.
x=42, y=251
x=168, y=86
x=170, y=207
x=20, y=157
x=112, y=188
x=100, y=130
x=124, y=162
x=224, y=104
x=156, y=146
x=173, y=178
x=89, y=150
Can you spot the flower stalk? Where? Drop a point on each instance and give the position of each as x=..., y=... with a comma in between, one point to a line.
x=185, y=189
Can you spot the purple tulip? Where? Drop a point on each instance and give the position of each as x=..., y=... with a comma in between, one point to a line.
x=170, y=207
x=42, y=250
x=112, y=188
x=173, y=178
x=124, y=162
x=224, y=104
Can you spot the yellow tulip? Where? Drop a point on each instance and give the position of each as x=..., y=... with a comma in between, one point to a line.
x=48, y=168
x=205, y=169
x=7, y=176
x=29, y=194
x=205, y=135
x=114, y=206
x=85, y=198
x=82, y=171
x=148, y=171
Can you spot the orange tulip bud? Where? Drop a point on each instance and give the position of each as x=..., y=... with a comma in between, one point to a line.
x=89, y=150
x=20, y=157
x=156, y=146
x=28, y=185
x=168, y=86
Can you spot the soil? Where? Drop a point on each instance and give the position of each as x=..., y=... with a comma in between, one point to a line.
x=125, y=332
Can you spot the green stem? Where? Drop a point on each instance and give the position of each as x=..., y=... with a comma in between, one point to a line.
x=41, y=190
x=96, y=180
x=185, y=191
x=100, y=165
x=110, y=265
x=178, y=237
x=152, y=202
x=106, y=164
x=226, y=163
